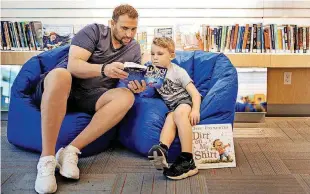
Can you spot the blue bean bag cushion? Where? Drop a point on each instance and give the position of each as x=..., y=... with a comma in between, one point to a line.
x=217, y=81
x=24, y=117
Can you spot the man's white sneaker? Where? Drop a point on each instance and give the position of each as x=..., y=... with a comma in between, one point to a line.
x=46, y=181
x=67, y=159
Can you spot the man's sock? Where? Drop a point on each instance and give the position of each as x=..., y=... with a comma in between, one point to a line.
x=188, y=156
x=163, y=146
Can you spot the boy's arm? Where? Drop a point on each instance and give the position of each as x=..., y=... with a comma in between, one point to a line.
x=196, y=98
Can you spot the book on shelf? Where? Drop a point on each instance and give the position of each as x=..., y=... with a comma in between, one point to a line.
x=141, y=38
x=256, y=38
x=56, y=35
x=21, y=36
x=188, y=37
x=164, y=32
x=213, y=146
x=33, y=36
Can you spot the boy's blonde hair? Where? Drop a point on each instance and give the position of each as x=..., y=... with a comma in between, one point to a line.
x=165, y=42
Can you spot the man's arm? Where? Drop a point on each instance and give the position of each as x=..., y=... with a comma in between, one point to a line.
x=78, y=65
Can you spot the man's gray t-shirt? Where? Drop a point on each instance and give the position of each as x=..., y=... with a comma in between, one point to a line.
x=96, y=38
x=173, y=89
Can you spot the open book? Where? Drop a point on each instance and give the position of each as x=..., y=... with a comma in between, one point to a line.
x=153, y=75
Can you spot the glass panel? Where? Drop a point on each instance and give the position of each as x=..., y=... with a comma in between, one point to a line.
x=8, y=75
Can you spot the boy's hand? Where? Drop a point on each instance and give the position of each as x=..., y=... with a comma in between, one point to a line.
x=194, y=117
x=136, y=87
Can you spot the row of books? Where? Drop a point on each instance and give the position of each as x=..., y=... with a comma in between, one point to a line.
x=33, y=36
x=256, y=38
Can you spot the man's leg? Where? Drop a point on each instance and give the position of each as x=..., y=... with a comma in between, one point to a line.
x=57, y=86
x=111, y=107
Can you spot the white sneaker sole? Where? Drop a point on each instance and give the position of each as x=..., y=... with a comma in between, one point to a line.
x=185, y=175
x=66, y=174
x=159, y=162
x=42, y=192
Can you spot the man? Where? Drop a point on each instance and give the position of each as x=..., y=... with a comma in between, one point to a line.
x=95, y=64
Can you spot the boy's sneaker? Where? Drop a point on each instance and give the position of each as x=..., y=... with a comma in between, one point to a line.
x=181, y=169
x=46, y=180
x=158, y=157
x=67, y=159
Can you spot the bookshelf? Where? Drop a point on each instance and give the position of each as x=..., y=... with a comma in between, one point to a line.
x=168, y=13
x=17, y=57
x=262, y=60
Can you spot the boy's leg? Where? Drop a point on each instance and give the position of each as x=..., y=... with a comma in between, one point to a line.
x=184, y=166
x=169, y=130
x=158, y=153
x=182, y=122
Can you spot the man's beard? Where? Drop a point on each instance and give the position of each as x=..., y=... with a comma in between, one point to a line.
x=118, y=40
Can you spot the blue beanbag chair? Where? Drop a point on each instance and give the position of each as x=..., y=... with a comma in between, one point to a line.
x=217, y=81
x=24, y=117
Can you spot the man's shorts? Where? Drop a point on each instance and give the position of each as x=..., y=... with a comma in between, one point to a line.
x=78, y=100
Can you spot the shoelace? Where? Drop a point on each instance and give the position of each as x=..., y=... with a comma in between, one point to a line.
x=71, y=157
x=47, y=168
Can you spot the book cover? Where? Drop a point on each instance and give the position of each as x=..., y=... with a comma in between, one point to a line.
x=213, y=146
x=152, y=75
x=36, y=27
x=56, y=35
x=164, y=32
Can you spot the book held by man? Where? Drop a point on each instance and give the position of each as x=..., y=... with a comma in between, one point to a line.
x=213, y=146
x=153, y=75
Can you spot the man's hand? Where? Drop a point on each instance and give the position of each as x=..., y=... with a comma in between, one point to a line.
x=136, y=87
x=194, y=117
x=115, y=70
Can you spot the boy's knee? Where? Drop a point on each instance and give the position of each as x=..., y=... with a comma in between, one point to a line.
x=181, y=112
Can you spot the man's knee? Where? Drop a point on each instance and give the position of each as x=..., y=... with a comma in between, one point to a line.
x=126, y=97
x=58, y=78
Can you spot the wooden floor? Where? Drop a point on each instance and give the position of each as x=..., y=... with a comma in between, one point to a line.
x=272, y=157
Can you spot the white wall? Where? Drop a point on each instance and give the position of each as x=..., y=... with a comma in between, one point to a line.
x=161, y=12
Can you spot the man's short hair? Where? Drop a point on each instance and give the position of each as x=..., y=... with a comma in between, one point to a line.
x=124, y=9
x=165, y=42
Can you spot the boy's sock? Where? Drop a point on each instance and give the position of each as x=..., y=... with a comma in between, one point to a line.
x=188, y=156
x=163, y=146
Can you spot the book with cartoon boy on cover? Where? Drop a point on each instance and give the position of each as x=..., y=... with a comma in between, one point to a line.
x=213, y=146
x=152, y=75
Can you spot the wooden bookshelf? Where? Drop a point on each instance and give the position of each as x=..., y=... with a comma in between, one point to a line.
x=17, y=57
x=263, y=60
x=290, y=60
x=249, y=59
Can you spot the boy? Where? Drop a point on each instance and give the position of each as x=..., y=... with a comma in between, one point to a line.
x=183, y=101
